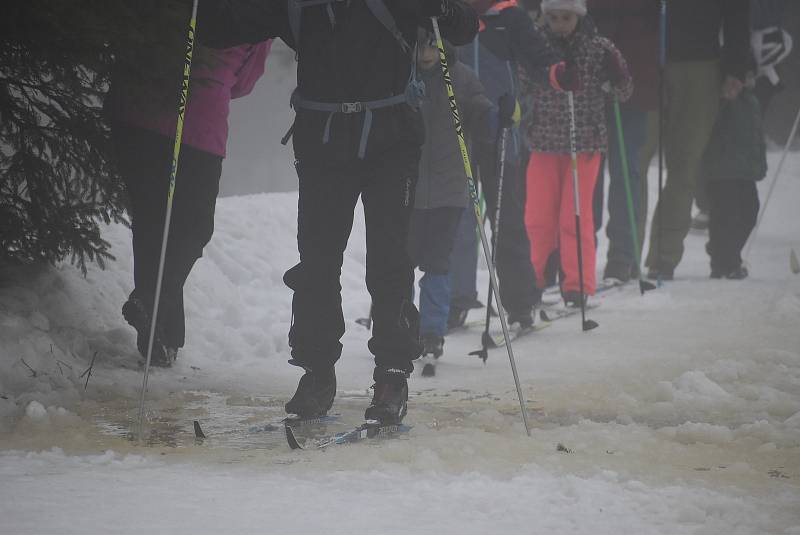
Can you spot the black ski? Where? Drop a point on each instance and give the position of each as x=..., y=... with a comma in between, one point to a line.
x=366, y=431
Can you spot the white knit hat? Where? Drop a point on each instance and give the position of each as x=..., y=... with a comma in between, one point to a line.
x=576, y=6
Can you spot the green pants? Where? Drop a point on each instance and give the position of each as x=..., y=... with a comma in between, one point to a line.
x=693, y=91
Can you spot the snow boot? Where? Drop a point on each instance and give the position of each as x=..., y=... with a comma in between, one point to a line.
x=137, y=315
x=617, y=271
x=665, y=274
x=390, y=398
x=314, y=395
x=432, y=345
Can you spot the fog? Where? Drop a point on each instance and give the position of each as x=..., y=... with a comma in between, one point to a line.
x=257, y=162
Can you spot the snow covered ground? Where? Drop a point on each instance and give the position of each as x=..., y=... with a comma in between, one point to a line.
x=680, y=414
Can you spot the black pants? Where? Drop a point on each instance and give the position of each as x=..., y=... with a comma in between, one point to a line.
x=144, y=160
x=327, y=199
x=513, y=257
x=733, y=212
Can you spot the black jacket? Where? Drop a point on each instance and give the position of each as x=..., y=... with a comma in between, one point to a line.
x=694, y=27
x=352, y=59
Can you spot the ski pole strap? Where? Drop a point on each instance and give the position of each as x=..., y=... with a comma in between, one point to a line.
x=348, y=108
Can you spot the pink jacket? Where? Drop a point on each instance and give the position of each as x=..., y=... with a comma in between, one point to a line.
x=234, y=74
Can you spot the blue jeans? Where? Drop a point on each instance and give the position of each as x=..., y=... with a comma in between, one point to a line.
x=464, y=263
x=621, y=251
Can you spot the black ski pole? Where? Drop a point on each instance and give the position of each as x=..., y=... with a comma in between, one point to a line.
x=473, y=193
x=487, y=342
x=644, y=286
x=586, y=325
x=184, y=99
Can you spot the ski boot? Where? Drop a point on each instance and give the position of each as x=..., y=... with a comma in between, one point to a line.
x=573, y=299
x=700, y=221
x=390, y=398
x=136, y=313
x=314, y=395
x=524, y=319
x=432, y=349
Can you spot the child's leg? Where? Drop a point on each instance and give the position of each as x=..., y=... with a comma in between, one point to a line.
x=722, y=226
x=588, y=165
x=541, y=209
x=747, y=194
x=434, y=260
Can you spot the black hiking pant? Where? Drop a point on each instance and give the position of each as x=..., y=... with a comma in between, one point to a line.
x=327, y=199
x=144, y=160
x=733, y=211
x=515, y=272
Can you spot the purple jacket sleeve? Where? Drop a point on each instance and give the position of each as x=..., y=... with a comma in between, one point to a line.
x=251, y=70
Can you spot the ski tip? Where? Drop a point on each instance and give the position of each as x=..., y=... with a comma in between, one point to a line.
x=291, y=439
x=198, y=431
x=590, y=325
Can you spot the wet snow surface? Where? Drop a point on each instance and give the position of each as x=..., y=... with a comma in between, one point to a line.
x=680, y=414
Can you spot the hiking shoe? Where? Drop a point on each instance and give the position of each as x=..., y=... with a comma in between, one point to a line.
x=390, y=398
x=314, y=395
x=138, y=316
x=432, y=345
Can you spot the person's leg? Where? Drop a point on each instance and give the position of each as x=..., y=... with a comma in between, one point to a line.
x=588, y=164
x=748, y=206
x=191, y=228
x=694, y=93
x=326, y=202
x=387, y=195
x=621, y=256
x=541, y=209
x=434, y=262
x=464, y=264
x=598, y=197
x=518, y=288
x=649, y=150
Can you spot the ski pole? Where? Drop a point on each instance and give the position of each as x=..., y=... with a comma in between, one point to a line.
x=184, y=98
x=586, y=325
x=644, y=286
x=487, y=342
x=662, y=65
x=778, y=170
x=473, y=193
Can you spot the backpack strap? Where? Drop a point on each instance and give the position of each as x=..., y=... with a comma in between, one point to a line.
x=381, y=12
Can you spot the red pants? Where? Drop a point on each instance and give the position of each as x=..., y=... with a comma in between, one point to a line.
x=550, y=215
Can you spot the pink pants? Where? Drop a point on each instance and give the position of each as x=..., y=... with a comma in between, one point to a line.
x=550, y=215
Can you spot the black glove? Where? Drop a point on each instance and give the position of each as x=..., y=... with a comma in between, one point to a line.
x=434, y=8
x=505, y=110
x=613, y=68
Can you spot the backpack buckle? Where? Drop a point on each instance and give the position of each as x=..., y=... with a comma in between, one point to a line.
x=352, y=107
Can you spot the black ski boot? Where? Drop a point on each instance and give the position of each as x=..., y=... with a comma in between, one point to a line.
x=573, y=299
x=525, y=320
x=432, y=349
x=137, y=314
x=314, y=395
x=390, y=398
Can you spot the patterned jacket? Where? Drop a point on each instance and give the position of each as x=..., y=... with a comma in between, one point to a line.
x=548, y=125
